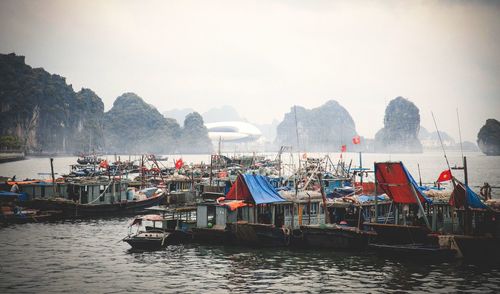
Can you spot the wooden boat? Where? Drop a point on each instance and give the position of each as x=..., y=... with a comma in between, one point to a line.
x=211, y=224
x=100, y=196
x=11, y=213
x=254, y=220
x=399, y=234
x=149, y=239
x=74, y=209
x=260, y=235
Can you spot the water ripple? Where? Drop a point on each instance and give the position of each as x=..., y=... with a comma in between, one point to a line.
x=87, y=256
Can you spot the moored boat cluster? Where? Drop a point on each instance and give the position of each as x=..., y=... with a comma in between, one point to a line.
x=255, y=201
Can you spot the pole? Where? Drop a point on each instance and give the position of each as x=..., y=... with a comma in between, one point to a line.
x=466, y=174
x=376, y=192
x=419, y=176
x=421, y=207
x=52, y=174
x=323, y=196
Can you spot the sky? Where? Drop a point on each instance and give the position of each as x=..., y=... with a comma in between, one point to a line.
x=263, y=57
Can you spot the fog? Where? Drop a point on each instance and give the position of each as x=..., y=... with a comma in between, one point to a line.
x=262, y=57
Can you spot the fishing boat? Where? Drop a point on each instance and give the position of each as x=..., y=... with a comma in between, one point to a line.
x=11, y=213
x=211, y=222
x=476, y=233
x=89, y=197
x=410, y=234
x=260, y=213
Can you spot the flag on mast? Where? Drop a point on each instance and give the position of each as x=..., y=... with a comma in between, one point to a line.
x=444, y=176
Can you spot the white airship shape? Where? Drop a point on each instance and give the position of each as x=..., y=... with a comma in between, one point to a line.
x=233, y=131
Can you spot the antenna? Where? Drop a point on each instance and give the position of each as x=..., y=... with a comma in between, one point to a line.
x=298, y=146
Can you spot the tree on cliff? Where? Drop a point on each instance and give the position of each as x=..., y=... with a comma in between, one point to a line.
x=41, y=110
x=401, y=128
x=488, y=137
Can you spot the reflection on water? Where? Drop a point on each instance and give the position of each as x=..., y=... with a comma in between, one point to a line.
x=87, y=256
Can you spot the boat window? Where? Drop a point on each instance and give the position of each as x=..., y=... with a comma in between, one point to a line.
x=314, y=208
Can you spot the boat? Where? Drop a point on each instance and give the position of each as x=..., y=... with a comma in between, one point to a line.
x=11, y=213
x=149, y=239
x=411, y=234
x=89, y=159
x=89, y=197
x=259, y=220
x=211, y=223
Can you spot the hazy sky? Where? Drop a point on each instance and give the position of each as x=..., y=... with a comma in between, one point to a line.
x=262, y=57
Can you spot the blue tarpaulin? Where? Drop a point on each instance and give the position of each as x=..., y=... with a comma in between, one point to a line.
x=254, y=188
x=262, y=191
x=20, y=196
x=415, y=185
x=473, y=199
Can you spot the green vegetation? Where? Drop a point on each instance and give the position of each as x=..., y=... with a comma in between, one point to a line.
x=10, y=143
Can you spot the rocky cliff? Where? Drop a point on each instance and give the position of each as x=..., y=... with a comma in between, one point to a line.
x=40, y=112
x=488, y=137
x=194, y=137
x=401, y=128
x=324, y=128
x=44, y=113
x=133, y=126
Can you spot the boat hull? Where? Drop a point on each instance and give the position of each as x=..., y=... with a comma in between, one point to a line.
x=400, y=234
x=478, y=248
x=259, y=235
x=212, y=236
x=74, y=210
x=336, y=238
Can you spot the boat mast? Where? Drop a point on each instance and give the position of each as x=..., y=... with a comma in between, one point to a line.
x=448, y=164
x=464, y=159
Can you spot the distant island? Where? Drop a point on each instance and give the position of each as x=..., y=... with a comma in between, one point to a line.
x=488, y=137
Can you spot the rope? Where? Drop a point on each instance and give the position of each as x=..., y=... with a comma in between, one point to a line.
x=104, y=192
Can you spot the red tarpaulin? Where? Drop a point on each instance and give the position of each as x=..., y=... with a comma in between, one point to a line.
x=239, y=191
x=396, y=182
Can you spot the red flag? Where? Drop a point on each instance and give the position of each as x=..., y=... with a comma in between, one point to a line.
x=344, y=148
x=104, y=164
x=356, y=140
x=444, y=176
x=179, y=163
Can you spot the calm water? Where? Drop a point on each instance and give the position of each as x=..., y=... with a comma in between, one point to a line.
x=87, y=256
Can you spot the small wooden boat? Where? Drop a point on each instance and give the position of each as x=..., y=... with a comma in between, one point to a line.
x=152, y=238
